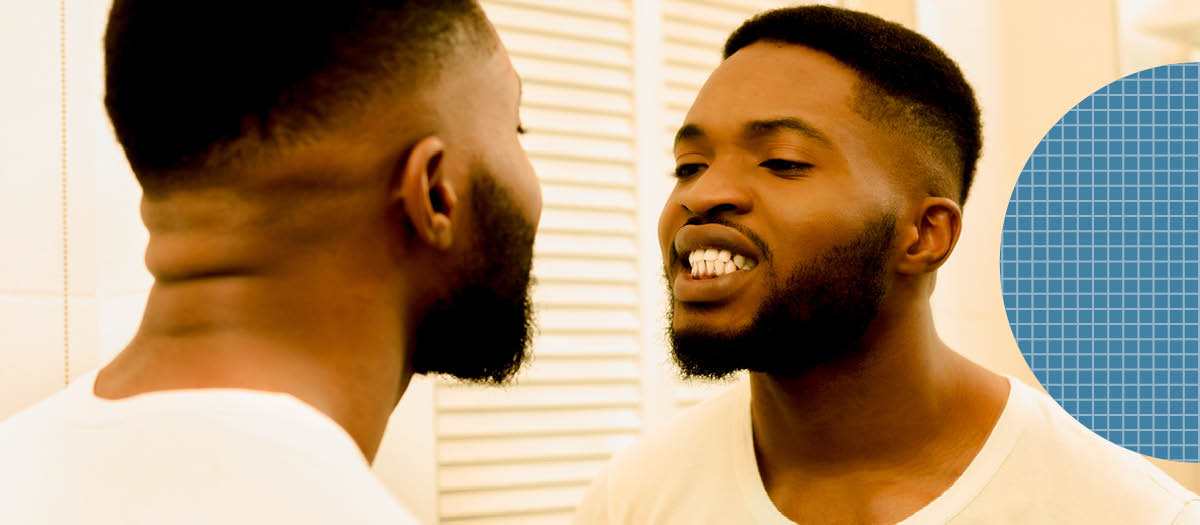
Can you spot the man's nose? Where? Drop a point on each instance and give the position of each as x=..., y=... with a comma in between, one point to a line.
x=718, y=190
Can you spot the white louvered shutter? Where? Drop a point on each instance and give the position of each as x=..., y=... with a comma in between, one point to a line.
x=526, y=454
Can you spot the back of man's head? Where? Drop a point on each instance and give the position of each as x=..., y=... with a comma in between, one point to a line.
x=361, y=151
x=194, y=87
x=907, y=80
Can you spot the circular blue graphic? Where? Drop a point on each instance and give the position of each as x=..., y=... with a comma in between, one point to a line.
x=1098, y=262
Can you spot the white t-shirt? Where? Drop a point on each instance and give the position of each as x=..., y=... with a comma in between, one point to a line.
x=1038, y=465
x=187, y=456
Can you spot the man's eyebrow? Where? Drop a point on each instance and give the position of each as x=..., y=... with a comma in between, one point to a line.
x=689, y=132
x=759, y=128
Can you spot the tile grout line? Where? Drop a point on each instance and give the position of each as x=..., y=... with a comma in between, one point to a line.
x=62, y=36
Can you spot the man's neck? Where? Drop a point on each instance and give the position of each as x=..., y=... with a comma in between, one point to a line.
x=334, y=346
x=888, y=431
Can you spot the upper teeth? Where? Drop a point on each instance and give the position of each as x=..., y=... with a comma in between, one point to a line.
x=715, y=262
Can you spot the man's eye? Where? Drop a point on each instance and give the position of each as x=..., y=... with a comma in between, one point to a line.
x=521, y=130
x=684, y=171
x=785, y=166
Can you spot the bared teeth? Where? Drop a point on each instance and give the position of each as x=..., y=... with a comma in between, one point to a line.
x=713, y=262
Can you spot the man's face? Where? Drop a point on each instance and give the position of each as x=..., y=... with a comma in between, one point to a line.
x=786, y=185
x=480, y=329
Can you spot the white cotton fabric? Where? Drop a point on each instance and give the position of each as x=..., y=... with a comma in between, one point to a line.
x=184, y=457
x=1039, y=465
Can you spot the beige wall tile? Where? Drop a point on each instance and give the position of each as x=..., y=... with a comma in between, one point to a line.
x=30, y=149
x=84, y=337
x=31, y=350
x=118, y=318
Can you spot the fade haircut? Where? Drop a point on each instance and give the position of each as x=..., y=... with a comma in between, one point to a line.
x=198, y=85
x=905, y=77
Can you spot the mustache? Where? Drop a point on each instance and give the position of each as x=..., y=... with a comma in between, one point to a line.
x=701, y=220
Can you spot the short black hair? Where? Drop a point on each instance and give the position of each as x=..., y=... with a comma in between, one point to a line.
x=893, y=61
x=185, y=78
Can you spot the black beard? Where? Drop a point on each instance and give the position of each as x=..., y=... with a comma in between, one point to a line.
x=815, y=318
x=482, y=329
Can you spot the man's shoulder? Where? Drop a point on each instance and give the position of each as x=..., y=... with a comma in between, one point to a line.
x=35, y=427
x=1060, y=464
x=267, y=463
x=1062, y=438
x=683, y=466
x=687, y=449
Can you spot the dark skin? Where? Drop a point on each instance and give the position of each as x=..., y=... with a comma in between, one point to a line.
x=794, y=162
x=308, y=273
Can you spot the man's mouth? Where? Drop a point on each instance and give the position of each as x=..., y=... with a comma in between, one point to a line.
x=714, y=264
x=709, y=263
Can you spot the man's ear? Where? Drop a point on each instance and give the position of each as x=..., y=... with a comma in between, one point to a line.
x=428, y=195
x=931, y=237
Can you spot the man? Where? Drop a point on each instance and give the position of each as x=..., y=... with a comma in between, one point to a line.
x=821, y=173
x=333, y=190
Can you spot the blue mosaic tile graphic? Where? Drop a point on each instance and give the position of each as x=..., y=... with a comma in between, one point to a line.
x=1098, y=262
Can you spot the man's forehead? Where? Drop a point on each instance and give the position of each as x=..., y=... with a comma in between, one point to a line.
x=767, y=80
x=772, y=78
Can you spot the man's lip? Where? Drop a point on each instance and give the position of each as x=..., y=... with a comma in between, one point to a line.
x=713, y=290
x=695, y=237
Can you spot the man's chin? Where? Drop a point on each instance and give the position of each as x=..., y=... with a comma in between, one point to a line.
x=709, y=318
x=702, y=353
